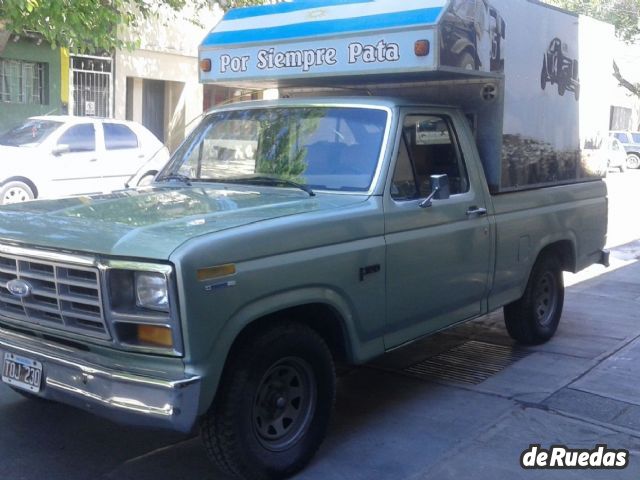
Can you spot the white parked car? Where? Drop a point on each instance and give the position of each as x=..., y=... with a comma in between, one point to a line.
x=54, y=156
x=615, y=154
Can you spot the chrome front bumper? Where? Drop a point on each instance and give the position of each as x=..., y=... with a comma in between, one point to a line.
x=114, y=394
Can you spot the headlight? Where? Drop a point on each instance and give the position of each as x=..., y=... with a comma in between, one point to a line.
x=152, y=291
x=142, y=309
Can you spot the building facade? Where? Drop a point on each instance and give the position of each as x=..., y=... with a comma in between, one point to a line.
x=158, y=84
x=625, y=108
x=31, y=78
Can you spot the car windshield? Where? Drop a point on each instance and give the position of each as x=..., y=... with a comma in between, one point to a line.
x=323, y=148
x=636, y=137
x=31, y=133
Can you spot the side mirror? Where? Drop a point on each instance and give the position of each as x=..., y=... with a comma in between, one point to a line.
x=439, y=190
x=60, y=150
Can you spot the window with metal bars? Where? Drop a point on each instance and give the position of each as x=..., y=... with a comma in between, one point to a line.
x=23, y=82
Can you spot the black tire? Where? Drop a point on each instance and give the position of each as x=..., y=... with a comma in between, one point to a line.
x=633, y=161
x=576, y=92
x=466, y=61
x=15, y=192
x=146, y=180
x=543, y=73
x=562, y=87
x=534, y=318
x=285, y=370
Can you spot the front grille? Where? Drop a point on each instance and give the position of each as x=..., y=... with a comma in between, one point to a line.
x=63, y=296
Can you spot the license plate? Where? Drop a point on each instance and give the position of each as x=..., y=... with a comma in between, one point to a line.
x=22, y=372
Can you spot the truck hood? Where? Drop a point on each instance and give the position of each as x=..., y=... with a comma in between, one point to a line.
x=151, y=223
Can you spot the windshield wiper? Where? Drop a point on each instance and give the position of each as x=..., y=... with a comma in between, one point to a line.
x=176, y=176
x=270, y=181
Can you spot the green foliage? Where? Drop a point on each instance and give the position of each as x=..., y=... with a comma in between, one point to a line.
x=93, y=25
x=279, y=152
x=624, y=14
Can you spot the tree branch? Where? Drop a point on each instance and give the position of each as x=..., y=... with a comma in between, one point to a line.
x=632, y=87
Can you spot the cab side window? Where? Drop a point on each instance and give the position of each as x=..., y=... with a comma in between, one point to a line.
x=428, y=147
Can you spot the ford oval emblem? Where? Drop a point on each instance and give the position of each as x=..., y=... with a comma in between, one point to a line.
x=19, y=288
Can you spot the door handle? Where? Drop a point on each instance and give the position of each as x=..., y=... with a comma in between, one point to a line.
x=479, y=211
x=93, y=160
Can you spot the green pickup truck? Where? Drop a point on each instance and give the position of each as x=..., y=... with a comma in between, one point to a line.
x=225, y=299
x=287, y=236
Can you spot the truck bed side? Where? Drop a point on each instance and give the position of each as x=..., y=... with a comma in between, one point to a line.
x=571, y=218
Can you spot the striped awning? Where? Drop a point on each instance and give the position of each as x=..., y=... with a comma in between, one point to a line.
x=314, y=18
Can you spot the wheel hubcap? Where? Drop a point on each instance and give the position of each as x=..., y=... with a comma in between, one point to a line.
x=546, y=298
x=633, y=162
x=284, y=404
x=15, y=195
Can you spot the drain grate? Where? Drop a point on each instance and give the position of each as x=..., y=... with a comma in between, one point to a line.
x=472, y=363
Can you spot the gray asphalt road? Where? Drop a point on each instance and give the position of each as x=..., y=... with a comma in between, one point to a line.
x=580, y=389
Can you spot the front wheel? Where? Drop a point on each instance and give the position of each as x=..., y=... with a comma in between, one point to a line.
x=543, y=74
x=534, y=318
x=633, y=161
x=15, y=192
x=274, y=404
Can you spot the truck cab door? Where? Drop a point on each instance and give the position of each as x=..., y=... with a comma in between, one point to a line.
x=438, y=257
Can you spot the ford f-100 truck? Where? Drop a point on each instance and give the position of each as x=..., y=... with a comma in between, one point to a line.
x=289, y=235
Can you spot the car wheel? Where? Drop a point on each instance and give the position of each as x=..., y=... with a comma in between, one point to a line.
x=562, y=88
x=534, y=318
x=15, y=192
x=633, y=161
x=274, y=404
x=146, y=180
x=543, y=73
x=466, y=61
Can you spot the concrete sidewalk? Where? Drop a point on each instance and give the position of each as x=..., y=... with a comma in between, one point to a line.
x=462, y=404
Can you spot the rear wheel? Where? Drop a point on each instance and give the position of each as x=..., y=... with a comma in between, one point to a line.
x=633, y=161
x=534, y=318
x=146, y=180
x=466, y=61
x=274, y=405
x=15, y=192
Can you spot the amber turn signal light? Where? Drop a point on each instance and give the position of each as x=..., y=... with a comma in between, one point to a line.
x=422, y=48
x=155, y=336
x=205, y=64
x=210, y=273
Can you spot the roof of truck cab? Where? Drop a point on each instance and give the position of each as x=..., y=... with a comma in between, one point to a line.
x=317, y=18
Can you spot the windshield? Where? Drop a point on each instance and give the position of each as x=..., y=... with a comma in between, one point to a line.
x=636, y=137
x=323, y=148
x=31, y=133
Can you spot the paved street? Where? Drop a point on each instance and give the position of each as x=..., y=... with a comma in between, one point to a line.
x=417, y=413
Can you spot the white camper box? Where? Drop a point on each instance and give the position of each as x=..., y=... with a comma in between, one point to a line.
x=532, y=79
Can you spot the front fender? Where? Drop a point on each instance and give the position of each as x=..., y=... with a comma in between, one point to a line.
x=357, y=350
